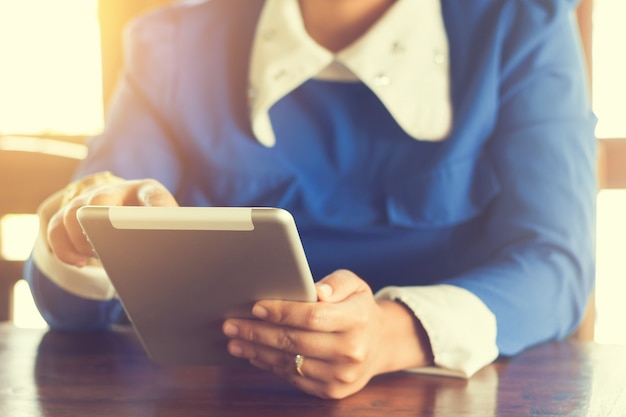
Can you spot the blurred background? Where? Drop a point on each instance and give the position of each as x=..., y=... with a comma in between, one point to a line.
x=60, y=59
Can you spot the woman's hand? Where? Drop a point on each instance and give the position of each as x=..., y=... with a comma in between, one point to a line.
x=345, y=339
x=58, y=218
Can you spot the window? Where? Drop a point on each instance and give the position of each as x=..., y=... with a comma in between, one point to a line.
x=611, y=268
x=609, y=101
x=50, y=67
x=609, y=67
x=51, y=85
x=25, y=313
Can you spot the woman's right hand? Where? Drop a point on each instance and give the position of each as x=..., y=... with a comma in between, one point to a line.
x=59, y=223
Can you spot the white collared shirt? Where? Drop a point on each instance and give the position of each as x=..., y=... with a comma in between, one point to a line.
x=411, y=35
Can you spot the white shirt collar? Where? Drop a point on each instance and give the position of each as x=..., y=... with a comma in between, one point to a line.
x=403, y=59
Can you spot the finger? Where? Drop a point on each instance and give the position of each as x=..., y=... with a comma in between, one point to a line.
x=131, y=193
x=138, y=192
x=60, y=243
x=104, y=195
x=343, y=307
x=146, y=192
x=316, y=377
x=152, y=193
x=64, y=233
x=318, y=317
x=340, y=285
x=286, y=339
x=73, y=229
x=279, y=362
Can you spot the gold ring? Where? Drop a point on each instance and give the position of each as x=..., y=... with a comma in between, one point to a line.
x=299, y=360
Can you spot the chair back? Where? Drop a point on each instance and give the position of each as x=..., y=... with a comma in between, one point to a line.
x=31, y=169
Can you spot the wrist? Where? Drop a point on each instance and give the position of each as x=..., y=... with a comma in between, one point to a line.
x=405, y=343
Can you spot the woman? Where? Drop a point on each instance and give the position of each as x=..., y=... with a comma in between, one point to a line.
x=438, y=154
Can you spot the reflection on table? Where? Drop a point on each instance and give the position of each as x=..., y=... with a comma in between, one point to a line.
x=107, y=374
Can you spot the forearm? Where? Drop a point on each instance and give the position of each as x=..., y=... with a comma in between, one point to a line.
x=537, y=294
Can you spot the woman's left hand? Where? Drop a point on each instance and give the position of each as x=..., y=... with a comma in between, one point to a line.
x=344, y=339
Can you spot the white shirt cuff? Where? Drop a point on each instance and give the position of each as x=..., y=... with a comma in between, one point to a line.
x=460, y=327
x=89, y=282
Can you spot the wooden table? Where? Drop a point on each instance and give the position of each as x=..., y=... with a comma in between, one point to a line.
x=107, y=374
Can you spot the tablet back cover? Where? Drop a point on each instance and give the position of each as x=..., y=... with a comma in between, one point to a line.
x=179, y=272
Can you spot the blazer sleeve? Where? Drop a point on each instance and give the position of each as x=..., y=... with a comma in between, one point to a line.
x=539, y=240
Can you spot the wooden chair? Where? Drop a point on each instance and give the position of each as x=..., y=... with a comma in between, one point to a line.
x=30, y=170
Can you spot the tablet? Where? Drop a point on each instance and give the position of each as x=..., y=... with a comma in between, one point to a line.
x=180, y=271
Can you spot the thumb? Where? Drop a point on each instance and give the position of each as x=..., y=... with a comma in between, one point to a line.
x=340, y=285
x=154, y=194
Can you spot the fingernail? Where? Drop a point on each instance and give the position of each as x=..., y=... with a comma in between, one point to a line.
x=231, y=330
x=260, y=312
x=235, y=349
x=150, y=196
x=324, y=290
x=80, y=262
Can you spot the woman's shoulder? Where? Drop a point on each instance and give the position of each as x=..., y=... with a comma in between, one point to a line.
x=195, y=15
x=486, y=11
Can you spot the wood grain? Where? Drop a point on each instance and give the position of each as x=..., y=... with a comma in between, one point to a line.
x=57, y=374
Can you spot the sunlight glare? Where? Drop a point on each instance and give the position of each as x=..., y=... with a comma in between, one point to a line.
x=50, y=71
x=17, y=235
x=25, y=313
x=609, y=67
x=611, y=268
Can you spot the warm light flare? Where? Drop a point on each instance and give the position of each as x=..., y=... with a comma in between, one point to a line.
x=611, y=269
x=609, y=67
x=50, y=67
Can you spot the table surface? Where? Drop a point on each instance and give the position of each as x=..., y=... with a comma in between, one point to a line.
x=45, y=373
